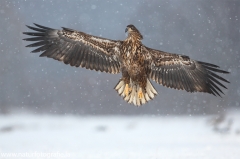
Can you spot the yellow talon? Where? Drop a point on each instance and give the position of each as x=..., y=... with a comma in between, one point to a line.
x=126, y=90
x=129, y=89
x=140, y=93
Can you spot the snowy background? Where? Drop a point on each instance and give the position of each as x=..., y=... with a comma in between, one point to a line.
x=120, y=137
x=204, y=30
x=48, y=107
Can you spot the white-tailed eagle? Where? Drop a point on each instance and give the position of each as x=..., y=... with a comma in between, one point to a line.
x=137, y=63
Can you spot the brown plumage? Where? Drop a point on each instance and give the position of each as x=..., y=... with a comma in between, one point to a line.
x=137, y=62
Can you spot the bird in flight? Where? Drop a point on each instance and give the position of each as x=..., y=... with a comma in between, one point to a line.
x=137, y=62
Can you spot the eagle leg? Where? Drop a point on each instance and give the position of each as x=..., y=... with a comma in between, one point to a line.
x=140, y=93
x=127, y=90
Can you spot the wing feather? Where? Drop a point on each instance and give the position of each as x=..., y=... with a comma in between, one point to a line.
x=216, y=81
x=165, y=77
x=40, y=43
x=96, y=63
x=76, y=48
x=105, y=65
x=81, y=55
x=89, y=55
x=207, y=64
x=92, y=62
x=36, y=29
x=73, y=59
x=215, y=86
x=187, y=81
x=67, y=53
x=43, y=27
x=70, y=56
x=111, y=68
x=114, y=67
x=34, y=34
x=180, y=72
x=218, y=77
x=62, y=56
x=34, y=39
x=174, y=77
x=60, y=51
x=83, y=64
x=100, y=64
x=108, y=65
x=42, y=48
x=151, y=73
x=180, y=82
x=48, y=51
x=160, y=75
x=154, y=75
x=170, y=78
x=196, y=82
x=183, y=80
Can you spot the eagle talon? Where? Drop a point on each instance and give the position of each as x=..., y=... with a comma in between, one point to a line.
x=127, y=90
x=140, y=93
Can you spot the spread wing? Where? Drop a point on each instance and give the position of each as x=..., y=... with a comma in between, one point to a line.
x=180, y=72
x=76, y=48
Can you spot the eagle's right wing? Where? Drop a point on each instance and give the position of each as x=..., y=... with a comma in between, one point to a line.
x=180, y=72
x=76, y=48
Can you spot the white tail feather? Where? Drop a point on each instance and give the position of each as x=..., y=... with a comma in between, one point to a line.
x=147, y=97
x=132, y=97
x=121, y=89
x=149, y=84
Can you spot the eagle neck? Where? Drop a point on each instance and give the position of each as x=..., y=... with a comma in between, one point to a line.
x=131, y=44
x=134, y=38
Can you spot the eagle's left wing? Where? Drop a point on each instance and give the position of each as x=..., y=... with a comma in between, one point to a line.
x=76, y=48
x=180, y=72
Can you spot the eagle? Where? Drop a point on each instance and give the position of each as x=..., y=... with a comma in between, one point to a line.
x=138, y=63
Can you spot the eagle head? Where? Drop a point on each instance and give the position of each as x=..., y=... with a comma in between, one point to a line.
x=131, y=29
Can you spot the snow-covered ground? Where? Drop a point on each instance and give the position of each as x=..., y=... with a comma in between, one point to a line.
x=173, y=137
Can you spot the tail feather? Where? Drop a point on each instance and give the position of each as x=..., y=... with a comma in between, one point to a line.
x=120, y=84
x=148, y=93
x=120, y=91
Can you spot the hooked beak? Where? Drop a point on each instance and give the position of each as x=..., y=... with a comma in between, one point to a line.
x=126, y=29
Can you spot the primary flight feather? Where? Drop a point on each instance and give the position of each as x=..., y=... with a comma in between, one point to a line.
x=136, y=62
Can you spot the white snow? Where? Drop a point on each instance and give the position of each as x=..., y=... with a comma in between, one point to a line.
x=119, y=137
